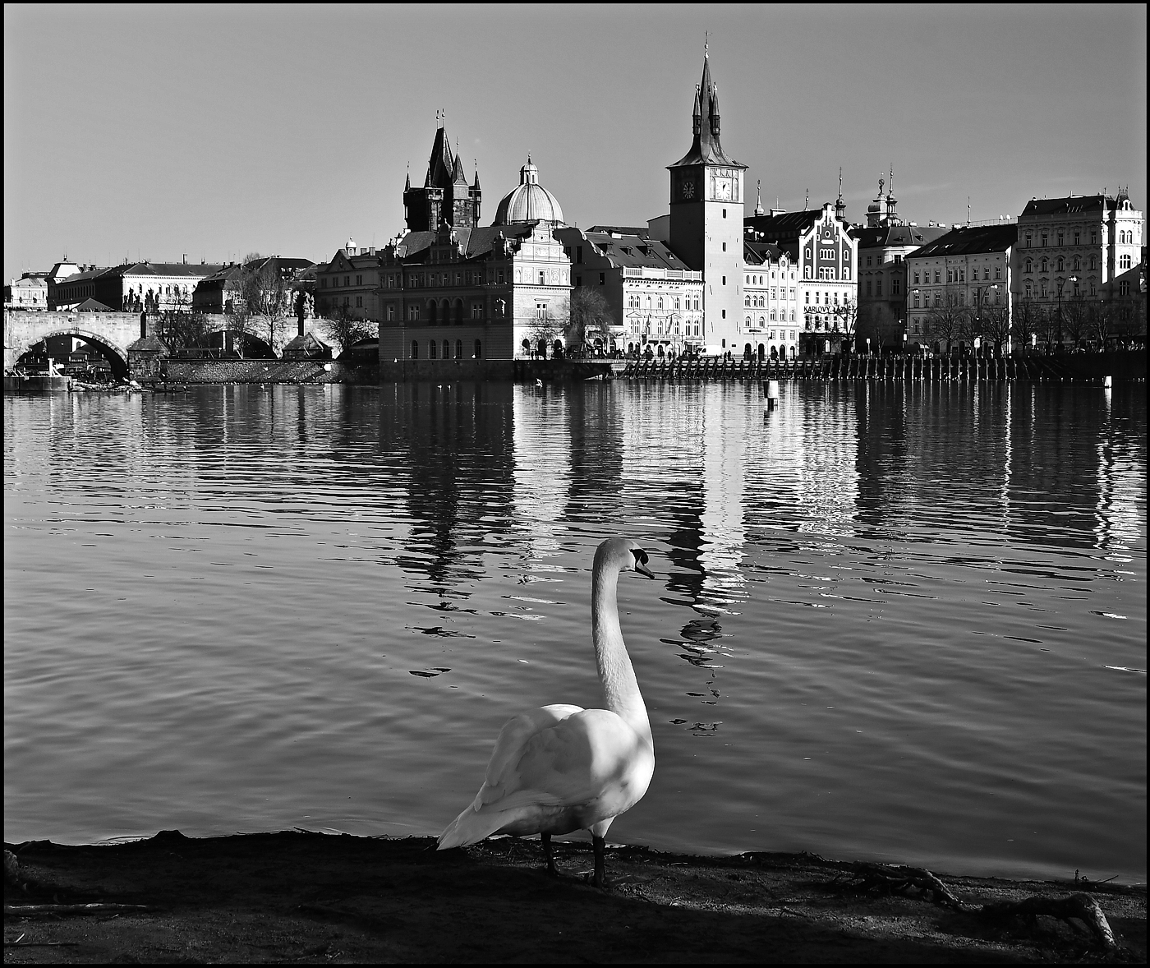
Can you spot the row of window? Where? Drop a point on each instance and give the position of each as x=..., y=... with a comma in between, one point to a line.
x=958, y=275
x=825, y=298
x=434, y=349
x=754, y=300
x=1061, y=236
x=1060, y=264
x=633, y=302
x=776, y=316
x=761, y=280
x=958, y=298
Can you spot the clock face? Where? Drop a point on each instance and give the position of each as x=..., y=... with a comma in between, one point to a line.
x=688, y=189
x=722, y=188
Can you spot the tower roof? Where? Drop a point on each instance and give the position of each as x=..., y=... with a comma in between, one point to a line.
x=705, y=148
x=441, y=164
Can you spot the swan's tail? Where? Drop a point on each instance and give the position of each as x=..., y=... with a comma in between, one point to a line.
x=470, y=827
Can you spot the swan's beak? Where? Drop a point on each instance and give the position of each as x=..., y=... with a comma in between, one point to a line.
x=642, y=569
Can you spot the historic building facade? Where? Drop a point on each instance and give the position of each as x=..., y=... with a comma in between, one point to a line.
x=449, y=288
x=824, y=256
x=1073, y=252
x=655, y=300
x=772, y=314
x=884, y=244
x=960, y=288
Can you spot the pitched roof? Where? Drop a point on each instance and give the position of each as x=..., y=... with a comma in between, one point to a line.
x=164, y=269
x=889, y=234
x=634, y=251
x=962, y=240
x=761, y=253
x=785, y=225
x=1071, y=205
x=91, y=305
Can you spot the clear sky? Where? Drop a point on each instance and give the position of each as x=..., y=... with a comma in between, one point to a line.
x=153, y=131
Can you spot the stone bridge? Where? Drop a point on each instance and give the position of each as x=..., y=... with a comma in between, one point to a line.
x=110, y=333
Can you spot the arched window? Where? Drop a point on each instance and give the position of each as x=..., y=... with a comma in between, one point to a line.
x=431, y=349
x=446, y=349
x=1029, y=265
x=415, y=349
x=479, y=349
x=676, y=303
x=1061, y=264
x=459, y=349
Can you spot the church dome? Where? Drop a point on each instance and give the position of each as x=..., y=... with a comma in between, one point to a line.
x=529, y=202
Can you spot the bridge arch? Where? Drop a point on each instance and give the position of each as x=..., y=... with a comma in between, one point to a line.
x=116, y=355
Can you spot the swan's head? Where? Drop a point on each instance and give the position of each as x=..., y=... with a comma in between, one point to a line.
x=622, y=554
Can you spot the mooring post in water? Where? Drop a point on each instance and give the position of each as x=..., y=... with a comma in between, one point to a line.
x=770, y=396
x=1106, y=382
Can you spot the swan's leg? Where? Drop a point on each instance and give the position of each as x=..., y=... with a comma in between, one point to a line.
x=599, y=844
x=545, y=840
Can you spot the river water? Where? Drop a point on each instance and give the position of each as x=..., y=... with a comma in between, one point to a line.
x=898, y=622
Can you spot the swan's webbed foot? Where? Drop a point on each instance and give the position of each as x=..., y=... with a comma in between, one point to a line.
x=545, y=840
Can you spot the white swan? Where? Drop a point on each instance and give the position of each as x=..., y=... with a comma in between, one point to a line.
x=562, y=768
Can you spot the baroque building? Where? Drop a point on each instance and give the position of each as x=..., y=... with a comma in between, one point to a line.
x=448, y=288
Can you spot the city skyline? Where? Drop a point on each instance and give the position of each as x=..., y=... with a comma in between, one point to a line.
x=151, y=133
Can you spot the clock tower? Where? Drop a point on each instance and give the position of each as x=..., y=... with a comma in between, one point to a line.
x=706, y=220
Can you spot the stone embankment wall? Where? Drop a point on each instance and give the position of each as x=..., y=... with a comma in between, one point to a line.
x=265, y=371
x=438, y=371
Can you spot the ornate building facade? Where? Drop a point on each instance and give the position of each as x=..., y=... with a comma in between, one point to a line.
x=824, y=257
x=449, y=288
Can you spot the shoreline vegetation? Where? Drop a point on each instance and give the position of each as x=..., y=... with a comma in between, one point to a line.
x=306, y=897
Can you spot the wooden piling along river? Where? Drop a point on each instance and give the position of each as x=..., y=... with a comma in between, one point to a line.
x=1036, y=368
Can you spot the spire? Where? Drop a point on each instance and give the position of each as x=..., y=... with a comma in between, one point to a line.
x=476, y=185
x=759, y=197
x=840, y=203
x=705, y=146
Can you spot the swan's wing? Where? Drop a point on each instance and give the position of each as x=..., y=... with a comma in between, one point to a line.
x=568, y=763
x=513, y=739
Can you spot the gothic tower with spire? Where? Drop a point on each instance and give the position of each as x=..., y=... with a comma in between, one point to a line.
x=706, y=218
x=445, y=195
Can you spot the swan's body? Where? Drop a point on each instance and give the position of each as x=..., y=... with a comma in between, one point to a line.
x=563, y=768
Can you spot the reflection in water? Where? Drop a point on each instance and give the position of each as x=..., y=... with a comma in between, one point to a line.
x=276, y=586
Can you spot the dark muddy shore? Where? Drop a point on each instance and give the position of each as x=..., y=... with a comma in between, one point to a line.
x=310, y=898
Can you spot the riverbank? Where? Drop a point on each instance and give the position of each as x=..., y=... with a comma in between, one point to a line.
x=313, y=898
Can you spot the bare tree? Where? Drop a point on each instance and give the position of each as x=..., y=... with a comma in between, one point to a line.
x=845, y=315
x=1075, y=319
x=345, y=330
x=544, y=330
x=995, y=325
x=589, y=318
x=1027, y=321
x=947, y=321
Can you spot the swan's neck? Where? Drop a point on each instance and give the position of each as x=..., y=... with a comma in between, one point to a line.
x=620, y=688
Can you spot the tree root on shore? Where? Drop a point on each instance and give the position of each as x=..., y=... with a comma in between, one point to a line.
x=900, y=880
